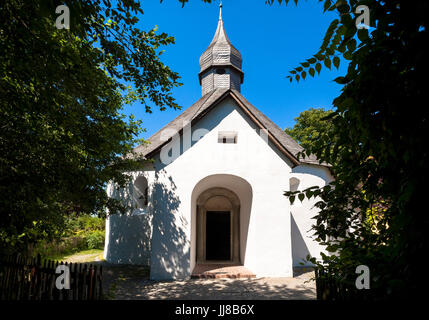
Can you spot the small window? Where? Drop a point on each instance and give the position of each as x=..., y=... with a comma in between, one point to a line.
x=141, y=192
x=227, y=137
x=293, y=184
x=220, y=71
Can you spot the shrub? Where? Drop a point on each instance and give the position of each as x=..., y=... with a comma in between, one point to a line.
x=80, y=233
x=95, y=240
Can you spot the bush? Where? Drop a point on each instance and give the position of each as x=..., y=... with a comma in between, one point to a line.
x=95, y=240
x=80, y=233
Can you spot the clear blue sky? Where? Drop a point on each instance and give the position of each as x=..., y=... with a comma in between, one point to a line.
x=272, y=40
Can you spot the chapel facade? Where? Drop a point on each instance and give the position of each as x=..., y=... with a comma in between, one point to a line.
x=213, y=193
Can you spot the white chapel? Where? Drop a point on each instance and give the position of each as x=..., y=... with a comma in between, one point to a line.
x=211, y=192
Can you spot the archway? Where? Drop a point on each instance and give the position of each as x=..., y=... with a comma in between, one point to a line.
x=240, y=191
x=218, y=226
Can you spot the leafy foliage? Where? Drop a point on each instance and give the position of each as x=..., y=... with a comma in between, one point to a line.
x=95, y=240
x=310, y=126
x=379, y=128
x=61, y=94
x=339, y=39
x=79, y=233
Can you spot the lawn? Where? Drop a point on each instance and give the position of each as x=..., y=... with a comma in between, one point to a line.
x=84, y=256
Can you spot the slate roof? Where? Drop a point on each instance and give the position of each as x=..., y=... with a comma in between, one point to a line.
x=206, y=103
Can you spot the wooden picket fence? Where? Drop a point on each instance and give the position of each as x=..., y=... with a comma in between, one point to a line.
x=24, y=278
x=330, y=286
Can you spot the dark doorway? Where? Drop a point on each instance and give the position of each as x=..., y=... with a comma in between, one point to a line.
x=218, y=235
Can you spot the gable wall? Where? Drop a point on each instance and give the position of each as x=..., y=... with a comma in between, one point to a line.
x=267, y=231
x=267, y=241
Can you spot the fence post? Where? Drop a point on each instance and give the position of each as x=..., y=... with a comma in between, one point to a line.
x=84, y=283
x=24, y=278
x=51, y=279
x=100, y=280
x=91, y=282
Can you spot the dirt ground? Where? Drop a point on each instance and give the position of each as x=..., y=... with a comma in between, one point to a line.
x=125, y=282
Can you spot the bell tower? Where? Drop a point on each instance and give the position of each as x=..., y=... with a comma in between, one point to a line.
x=220, y=64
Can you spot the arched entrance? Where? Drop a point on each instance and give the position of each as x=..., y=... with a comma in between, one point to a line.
x=218, y=226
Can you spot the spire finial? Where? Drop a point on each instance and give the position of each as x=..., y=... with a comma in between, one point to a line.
x=220, y=63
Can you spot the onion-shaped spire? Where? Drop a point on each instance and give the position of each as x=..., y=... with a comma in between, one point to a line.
x=221, y=52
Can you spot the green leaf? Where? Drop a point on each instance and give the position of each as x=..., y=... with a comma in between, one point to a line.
x=311, y=72
x=330, y=51
x=336, y=62
x=69, y=135
x=342, y=47
x=340, y=80
x=303, y=74
x=326, y=5
x=351, y=45
x=318, y=67
x=319, y=56
x=362, y=34
x=348, y=55
x=327, y=63
x=342, y=30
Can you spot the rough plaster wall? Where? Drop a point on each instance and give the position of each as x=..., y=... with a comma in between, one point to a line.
x=268, y=243
x=128, y=236
x=303, y=240
x=267, y=231
x=129, y=239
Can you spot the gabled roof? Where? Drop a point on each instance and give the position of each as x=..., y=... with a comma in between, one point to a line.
x=277, y=136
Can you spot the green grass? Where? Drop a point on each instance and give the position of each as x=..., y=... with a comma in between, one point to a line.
x=80, y=256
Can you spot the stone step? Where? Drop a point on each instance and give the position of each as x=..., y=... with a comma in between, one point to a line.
x=218, y=271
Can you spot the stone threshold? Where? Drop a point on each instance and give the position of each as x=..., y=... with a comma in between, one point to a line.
x=219, y=271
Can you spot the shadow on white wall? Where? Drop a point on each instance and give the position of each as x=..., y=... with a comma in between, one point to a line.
x=170, y=244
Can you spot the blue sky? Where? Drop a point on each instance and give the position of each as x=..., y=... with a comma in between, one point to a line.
x=272, y=40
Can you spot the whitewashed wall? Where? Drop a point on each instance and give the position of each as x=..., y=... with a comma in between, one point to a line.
x=265, y=231
x=303, y=239
x=253, y=169
x=128, y=236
